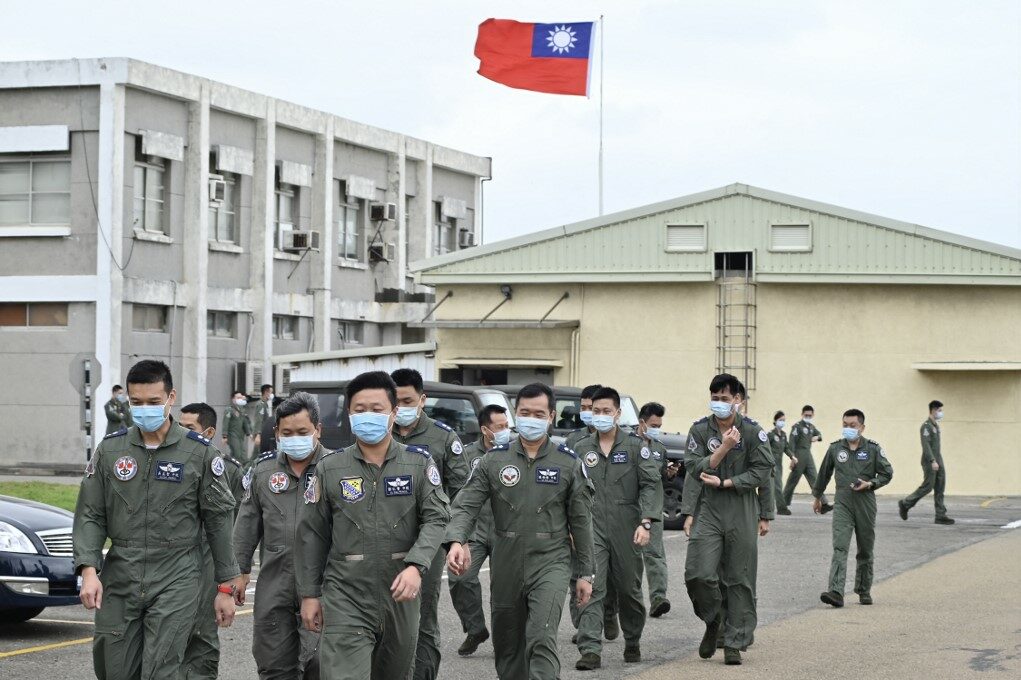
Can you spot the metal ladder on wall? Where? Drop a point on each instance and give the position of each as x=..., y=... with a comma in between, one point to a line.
x=735, y=325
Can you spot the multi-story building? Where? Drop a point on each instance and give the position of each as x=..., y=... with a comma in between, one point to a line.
x=146, y=212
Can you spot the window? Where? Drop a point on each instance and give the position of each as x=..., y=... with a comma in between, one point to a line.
x=24, y=314
x=347, y=220
x=149, y=318
x=286, y=196
x=285, y=327
x=149, y=193
x=443, y=231
x=221, y=324
x=223, y=217
x=790, y=238
x=457, y=412
x=351, y=332
x=35, y=191
x=686, y=238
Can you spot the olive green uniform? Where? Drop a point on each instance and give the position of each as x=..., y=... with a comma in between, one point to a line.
x=151, y=504
x=780, y=445
x=361, y=526
x=118, y=415
x=572, y=439
x=262, y=410
x=440, y=442
x=800, y=443
x=853, y=510
x=202, y=657
x=723, y=550
x=654, y=553
x=932, y=480
x=538, y=505
x=272, y=506
x=610, y=601
x=465, y=590
x=628, y=486
x=236, y=428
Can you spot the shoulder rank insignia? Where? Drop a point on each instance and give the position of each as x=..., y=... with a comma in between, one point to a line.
x=197, y=437
x=502, y=447
x=119, y=433
x=269, y=455
x=443, y=426
x=700, y=420
x=419, y=450
x=563, y=448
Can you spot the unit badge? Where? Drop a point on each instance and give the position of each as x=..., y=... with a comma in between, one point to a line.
x=351, y=489
x=246, y=481
x=762, y=436
x=125, y=468
x=311, y=494
x=90, y=467
x=692, y=444
x=510, y=475
x=475, y=463
x=217, y=466
x=842, y=456
x=434, y=474
x=457, y=448
x=714, y=444
x=646, y=453
x=591, y=459
x=278, y=482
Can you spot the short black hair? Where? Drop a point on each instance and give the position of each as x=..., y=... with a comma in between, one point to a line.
x=853, y=412
x=296, y=403
x=806, y=408
x=150, y=371
x=778, y=415
x=265, y=387
x=487, y=413
x=118, y=387
x=408, y=377
x=726, y=381
x=742, y=390
x=206, y=414
x=371, y=380
x=241, y=392
x=653, y=408
x=608, y=393
x=589, y=390
x=536, y=389
x=935, y=403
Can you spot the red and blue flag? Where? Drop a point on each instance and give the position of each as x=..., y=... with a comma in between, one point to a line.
x=551, y=58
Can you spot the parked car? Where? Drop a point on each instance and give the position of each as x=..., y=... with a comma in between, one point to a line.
x=36, y=559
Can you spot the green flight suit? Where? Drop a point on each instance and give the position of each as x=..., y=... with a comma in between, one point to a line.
x=237, y=428
x=780, y=446
x=853, y=510
x=628, y=486
x=932, y=480
x=610, y=601
x=362, y=525
x=202, y=656
x=442, y=443
x=538, y=505
x=723, y=549
x=151, y=504
x=800, y=442
x=654, y=553
x=465, y=590
x=272, y=505
x=118, y=415
x=572, y=439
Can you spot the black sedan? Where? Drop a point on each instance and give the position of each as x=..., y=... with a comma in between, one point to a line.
x=36, y=559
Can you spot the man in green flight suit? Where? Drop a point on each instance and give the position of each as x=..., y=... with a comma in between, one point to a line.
x=465, y=590
x=118, y=412
x=262, y=410
x=802, y=464
x=414, y=428
x=541, y=500
x=934, y=475
x=237, y=427
x=586, y=416
x=273, y=503
x=780, y=446
x=650, y=426
x=859, y=467
x=729, y=455
x=202, y=657
x=373, y=520
x=151, y=490
x=628, y=499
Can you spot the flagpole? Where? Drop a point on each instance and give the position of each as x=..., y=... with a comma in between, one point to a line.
x=602, y=43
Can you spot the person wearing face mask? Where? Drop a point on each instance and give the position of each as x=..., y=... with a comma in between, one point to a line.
x=729, y=455
x=465, y=590
x=118, y=411
x=859, y=467
x=237, y=427
x=263, y=410
x=585, y=415
x=152, y=490
x=541, y=500
x=628, y=500
x=802, y=464
x=934, y=475
x=413, y=427
x=270, y=509
x=650, y=427
x=373, y=520
x=780, y=446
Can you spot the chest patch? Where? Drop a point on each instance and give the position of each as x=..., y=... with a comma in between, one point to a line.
x=307, y=479
x=278, y=482
x=692, y=445
x=352, y=489
x=125, y=468
x=645, y=453
x=217, y=466
x=311, y=494
x=400, y=485
x=656, y=455
x=842, y=456
x=547, y=475
x=169, y=471
x=714, y=444
x=804, y=430
x=863, y=455
x=246, y=481
x=591, y=459
x=510, y=475
x=618, y=457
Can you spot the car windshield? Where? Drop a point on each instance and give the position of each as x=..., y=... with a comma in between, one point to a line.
x=500, y=399
x=568, y=413
x=456, y=412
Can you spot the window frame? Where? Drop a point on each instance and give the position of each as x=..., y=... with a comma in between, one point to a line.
x=796, y=249
x=232, y=188
x=150, y=165
x=28, y=315
x=149, y=309
x=345, y=324
x=702, y=248
x=279, y=330
x=216, y=315
x=342, y=206
x=443, y=226
x=284, y=190
x=30, y=192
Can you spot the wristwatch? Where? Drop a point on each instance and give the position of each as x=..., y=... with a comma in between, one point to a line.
x=646, y=524
x=226, y=590
x=591, y=578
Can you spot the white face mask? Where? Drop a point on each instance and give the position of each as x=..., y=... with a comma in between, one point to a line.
x=240, y=402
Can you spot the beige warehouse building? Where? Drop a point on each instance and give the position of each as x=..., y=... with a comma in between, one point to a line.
x=806, y=302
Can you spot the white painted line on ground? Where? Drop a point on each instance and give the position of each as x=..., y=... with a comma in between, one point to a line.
x=1012, y=525
x=77, y=623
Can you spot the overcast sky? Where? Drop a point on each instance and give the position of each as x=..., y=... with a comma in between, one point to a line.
x=909, y=110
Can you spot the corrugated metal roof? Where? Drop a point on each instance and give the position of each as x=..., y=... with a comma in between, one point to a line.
x=846, y=246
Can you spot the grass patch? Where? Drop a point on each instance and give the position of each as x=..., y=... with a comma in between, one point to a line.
x=61, y=495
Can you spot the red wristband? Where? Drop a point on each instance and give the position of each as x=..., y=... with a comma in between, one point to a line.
x=226, y=590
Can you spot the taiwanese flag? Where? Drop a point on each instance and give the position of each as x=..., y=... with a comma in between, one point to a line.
x=550, y=58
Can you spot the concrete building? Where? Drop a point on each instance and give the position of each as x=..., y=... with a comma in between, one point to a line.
x=806, y=302
x=150, y=213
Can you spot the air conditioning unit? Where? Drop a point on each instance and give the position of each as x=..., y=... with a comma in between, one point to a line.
x=217, y=190
x=382, y=252
x=466, y=238
x=298, y=241
x=248, y=376
x=282, y=379
x=379, y=212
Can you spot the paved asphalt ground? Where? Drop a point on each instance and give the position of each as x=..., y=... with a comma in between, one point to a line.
x=793, y=566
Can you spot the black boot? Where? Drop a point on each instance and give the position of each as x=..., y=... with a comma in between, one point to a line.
x=472, y=642
x=832, y=598
x=588, y=662
x=712, y=632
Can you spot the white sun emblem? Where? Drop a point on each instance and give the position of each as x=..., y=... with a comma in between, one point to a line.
x=561, y=39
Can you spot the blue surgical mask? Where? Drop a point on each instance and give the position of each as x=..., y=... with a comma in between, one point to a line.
x=501, y=438
x=406, y=415
x=849, y=433
x=532, y=429
x=807, y=419
x=939, y=415
x=721, y=409
x=122, y=398
x=781, y=424
x=653, y=432
x=296, y=448
x=586, y=417
x=370, y=427
x=602, y=423
x=149, y=418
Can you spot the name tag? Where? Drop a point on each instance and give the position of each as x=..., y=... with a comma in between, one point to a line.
x=169, y=471
x=547, y=475
x=618, y=457
x=397, y=486
x=863, y=455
